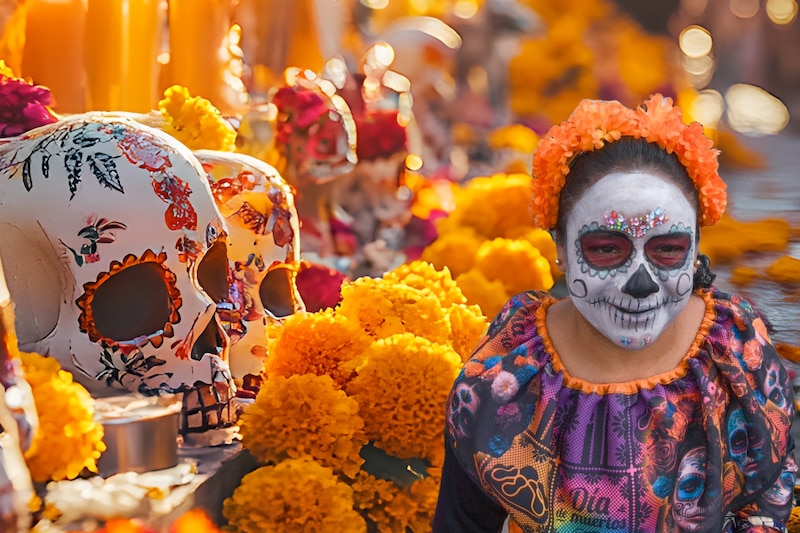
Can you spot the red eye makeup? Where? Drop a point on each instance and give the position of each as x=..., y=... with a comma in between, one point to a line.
x=668, y=251
x=605, y=250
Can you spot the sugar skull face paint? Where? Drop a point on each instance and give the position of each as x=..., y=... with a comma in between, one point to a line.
x=629, y=255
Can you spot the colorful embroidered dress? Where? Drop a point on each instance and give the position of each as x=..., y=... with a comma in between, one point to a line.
x=705, y=447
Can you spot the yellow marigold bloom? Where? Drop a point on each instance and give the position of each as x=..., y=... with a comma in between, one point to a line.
x=384, y=308
x=424, y=276
x=402, y=383
x=390, y=507
x=68, y=439
x=195, y=121
x=454, y=250
x=304, y=416
x=517, y=137
x=293, y=496
x=542, y=241
x=785, y=269
x=489, y=295
x=516, y=263
x=468, y=324
x=729, y=239
x=315, y=343
x=563, y=75
x=194, y=521
x=743, y=275
x=494, y=206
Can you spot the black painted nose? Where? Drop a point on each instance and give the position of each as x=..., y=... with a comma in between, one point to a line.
x=641, y=285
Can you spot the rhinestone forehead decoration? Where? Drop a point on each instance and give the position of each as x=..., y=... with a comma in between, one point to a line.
x=636, y=226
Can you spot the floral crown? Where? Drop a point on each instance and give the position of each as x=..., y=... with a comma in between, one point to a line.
x=595, y=123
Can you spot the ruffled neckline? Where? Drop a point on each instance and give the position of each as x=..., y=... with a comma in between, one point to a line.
x=633, y=386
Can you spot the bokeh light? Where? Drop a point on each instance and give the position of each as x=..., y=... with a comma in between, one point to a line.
x=753, y=111
x=782, y=11
x=744, y=9
x=707, y=108
x=695, y=41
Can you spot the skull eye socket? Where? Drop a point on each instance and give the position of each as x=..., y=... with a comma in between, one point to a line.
x=137, y=298
x=212, y=272
x=605, y=250
x=276, y=292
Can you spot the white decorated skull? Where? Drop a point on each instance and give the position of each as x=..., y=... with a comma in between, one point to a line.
x=115, y=254
x=264, y=251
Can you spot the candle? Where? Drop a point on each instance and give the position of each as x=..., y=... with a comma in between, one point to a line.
x=53, y=53
x=199, y=49
x=122, y=46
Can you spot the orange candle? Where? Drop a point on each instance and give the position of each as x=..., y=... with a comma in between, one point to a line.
x=198, y=47
x=122, y=71
x=53, y=54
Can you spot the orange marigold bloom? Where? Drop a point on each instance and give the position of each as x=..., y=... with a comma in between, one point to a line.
x=595, y=123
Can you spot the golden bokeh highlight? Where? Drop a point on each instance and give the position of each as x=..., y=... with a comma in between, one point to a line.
x=744, y=9
x=782, y=12
x=695, y=41
x=753, y=111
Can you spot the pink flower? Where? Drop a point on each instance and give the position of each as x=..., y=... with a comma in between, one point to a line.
x=504, y=386
x=23, y=106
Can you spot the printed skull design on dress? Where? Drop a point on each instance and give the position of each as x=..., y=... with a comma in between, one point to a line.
x=264, y=251
x=116, y=256
x=629, y=256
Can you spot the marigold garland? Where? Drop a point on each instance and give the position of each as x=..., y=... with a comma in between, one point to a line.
x=304, y=415
x=402, y=383
x=315, y=343
x=595, y=123
x=293, y=496
x=68, y=439
x=195, y=121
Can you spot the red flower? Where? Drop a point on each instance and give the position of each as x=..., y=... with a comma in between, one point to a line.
x=379, y=135
x=319, y=286
x=23, y=106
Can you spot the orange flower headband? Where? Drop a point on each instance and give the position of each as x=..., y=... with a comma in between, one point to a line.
x=596, y=122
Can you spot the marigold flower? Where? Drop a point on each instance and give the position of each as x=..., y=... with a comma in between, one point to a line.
x=194, y=521
x=304, y=416
x=516, y=263
x=314, y=343
x=68, y=439
x=390, y=507
x=384, y=308
x=489, y=295
x=596, y=122
x=402, y=383
x=424, y=276
x=293, y=496
x=468, y=324
x=454, y=250
x=195, y=121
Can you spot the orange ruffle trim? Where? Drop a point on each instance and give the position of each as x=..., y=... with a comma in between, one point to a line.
x=628, y=387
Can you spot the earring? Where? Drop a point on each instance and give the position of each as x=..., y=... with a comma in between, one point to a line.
x=558, y=261
x=698, y=263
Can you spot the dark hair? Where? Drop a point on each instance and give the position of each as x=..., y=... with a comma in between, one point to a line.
x=627, y=155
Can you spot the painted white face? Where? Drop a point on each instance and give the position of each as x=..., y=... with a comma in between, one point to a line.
x=630, y=251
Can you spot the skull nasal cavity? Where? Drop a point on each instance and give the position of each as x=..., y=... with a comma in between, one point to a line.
x=641, y=284
x=276, y=292
x=212, y=272
x=132, y=303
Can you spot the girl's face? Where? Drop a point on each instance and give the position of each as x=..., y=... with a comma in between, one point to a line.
x=629, y=251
